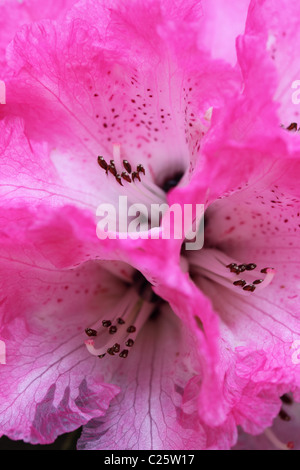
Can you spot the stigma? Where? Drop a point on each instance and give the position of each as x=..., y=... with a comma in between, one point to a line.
x=243, y=278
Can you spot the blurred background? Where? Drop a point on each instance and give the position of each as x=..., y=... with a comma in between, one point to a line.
x=64, y=442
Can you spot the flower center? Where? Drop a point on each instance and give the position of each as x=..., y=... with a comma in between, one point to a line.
x=116, y=334
x=241, y=278
x=170, y=183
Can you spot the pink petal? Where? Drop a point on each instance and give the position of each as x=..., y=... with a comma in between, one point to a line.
x=14, y=14
x=148, y=413
x=277, y=32
x=50, y=384
x=81, y=110
x=224, y=22
x=287, y=433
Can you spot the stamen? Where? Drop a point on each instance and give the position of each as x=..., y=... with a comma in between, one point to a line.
x=124, y=353
x=126, y=176
x=292, y=127
x=284, y=416
x=112, y=169
x=146, y=193
x=216, y=266
x=123, y=330
x=286, y=399
x=119, y=180
x=91, y=332
x=249, y=288
x=140, y=169
x=127, y=166
x=102, y=163
x=276, y=442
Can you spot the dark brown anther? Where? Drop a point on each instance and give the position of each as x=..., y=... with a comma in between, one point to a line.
x=140, y=169
x=286, y=399
x=112, y=163
x=90, y=332
x=258, y=281
x=240, y=282
x=250, y=266
x=124, y=353
x=242, y=267
x=135, y=175
x=112, y=169
x=120, y=321
x=111, y=351
x=129, y=343
x=127, y=166
x=102, y=163
x=235, y=269
x=131, y=329
x=126, y=176
x=231, y=265
x=119, y=179
x=292, y=127
x=101, y=355
x=249, y=288
x=284, y=416
x=113, y=329
x=116, y=348
x=106, y=323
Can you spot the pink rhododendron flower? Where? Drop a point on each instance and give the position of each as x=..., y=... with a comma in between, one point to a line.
x=146, y=344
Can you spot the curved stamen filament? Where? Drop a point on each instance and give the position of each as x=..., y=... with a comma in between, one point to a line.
x=277, y=442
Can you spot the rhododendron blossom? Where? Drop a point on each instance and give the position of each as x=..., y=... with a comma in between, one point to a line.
x=143, y=341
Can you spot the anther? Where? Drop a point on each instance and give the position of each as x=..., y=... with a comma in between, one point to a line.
x=292, y=126
x=231, y=265
x=112, y=170
x=249, y=288
x=110, y=351
x=101, y=356
x=120, y=321
x=286, y=399
x=106, y=323
x=129, y=343
x=135, y=175
x=240, y=282
x=141, y=169
x=90, y=332
x=116, y=348
x=284, y=416
x=126, y=176
x=127, y=166
x=124, y=353
x=102, y=163
x=242, y=268
x=258, y=281
x=250, y=266
x=119, y=179
x=113, y=329
x=131, y=329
